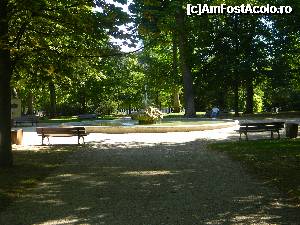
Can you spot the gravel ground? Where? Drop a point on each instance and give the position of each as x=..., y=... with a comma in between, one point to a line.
x=152, y=179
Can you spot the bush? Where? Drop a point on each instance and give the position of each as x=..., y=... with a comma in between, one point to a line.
x=107, y=108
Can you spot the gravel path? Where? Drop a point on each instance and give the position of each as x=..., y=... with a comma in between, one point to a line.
x=151, y=179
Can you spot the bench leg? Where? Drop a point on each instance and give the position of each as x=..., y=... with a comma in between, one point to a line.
x=246, y=134
x=43, y=137
x=272, y=135
x=82, y=139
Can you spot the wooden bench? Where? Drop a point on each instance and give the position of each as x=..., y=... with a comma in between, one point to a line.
x=47, y=132
x=245, y=128
x=33, y=119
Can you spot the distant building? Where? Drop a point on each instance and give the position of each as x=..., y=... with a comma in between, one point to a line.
x=15, y=105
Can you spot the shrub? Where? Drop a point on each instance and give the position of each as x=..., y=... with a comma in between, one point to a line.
x=107, y=108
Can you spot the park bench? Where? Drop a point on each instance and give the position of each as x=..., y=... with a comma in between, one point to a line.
x=272, y=127
x=47, y=132
x=87, y=116
x=33, y=119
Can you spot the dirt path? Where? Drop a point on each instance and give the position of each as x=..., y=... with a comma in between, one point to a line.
x=152, y=179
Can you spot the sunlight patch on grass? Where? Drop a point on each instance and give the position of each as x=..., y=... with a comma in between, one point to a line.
x=30, y=168
x=148, y=173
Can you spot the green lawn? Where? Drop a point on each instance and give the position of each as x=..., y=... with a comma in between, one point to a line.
x=230, y=115
x=66, y=119
x=181, y=115
x=276, y=161
x=266, y=115
x=179, y=122
x=30, y=168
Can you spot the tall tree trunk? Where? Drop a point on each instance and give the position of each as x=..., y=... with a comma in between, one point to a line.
x=6, y=158
x=176, y=100
x=236, y=72
x=129, y=109
x=52, y=99
x=82, y=100
x=236, y=98
x=176, y=89
x=30, y=103
x=186, y=70
x=221, y=98
x=250, y=95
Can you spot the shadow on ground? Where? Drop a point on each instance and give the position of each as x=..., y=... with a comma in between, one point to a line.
x=156, y=184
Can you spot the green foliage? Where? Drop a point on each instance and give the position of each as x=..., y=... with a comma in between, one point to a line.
x=225, y=52
x=258, y=100
x=67, y=43
x=107, y=108
x=64, y=43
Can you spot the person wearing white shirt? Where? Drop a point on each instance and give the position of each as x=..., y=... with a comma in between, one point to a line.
x=214, y=112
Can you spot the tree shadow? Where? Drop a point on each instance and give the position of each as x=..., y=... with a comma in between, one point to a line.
x=138, y=183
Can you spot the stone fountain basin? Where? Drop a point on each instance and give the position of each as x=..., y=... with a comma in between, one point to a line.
x=157, y=128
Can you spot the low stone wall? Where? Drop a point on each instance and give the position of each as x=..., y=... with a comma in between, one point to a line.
x=156, y=129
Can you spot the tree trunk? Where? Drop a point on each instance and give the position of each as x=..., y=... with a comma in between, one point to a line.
x=236, y=98
x=236, y=72
x=30, y=103
x=176, y=90
x=6, y=158
x=186, y=71
x=82, y=100
x=52, y=99
x=129, y=109
x=221, y=98
x=249, y=97
x=176, y=100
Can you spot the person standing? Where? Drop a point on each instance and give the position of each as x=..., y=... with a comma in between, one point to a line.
x=215, y=112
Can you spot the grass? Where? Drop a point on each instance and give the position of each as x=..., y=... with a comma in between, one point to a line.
x=179, y=122
x=30, y=168
x=266, y=115
x=181, y=115
x=66, y=119
x=230, y=115
x=275, y=161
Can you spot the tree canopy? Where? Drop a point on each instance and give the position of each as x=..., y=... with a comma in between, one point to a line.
x=59, y=57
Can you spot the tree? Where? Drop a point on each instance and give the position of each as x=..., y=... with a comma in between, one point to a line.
x=6, y=158
x=157, y=19
x=54, y=31
x=185, y=67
